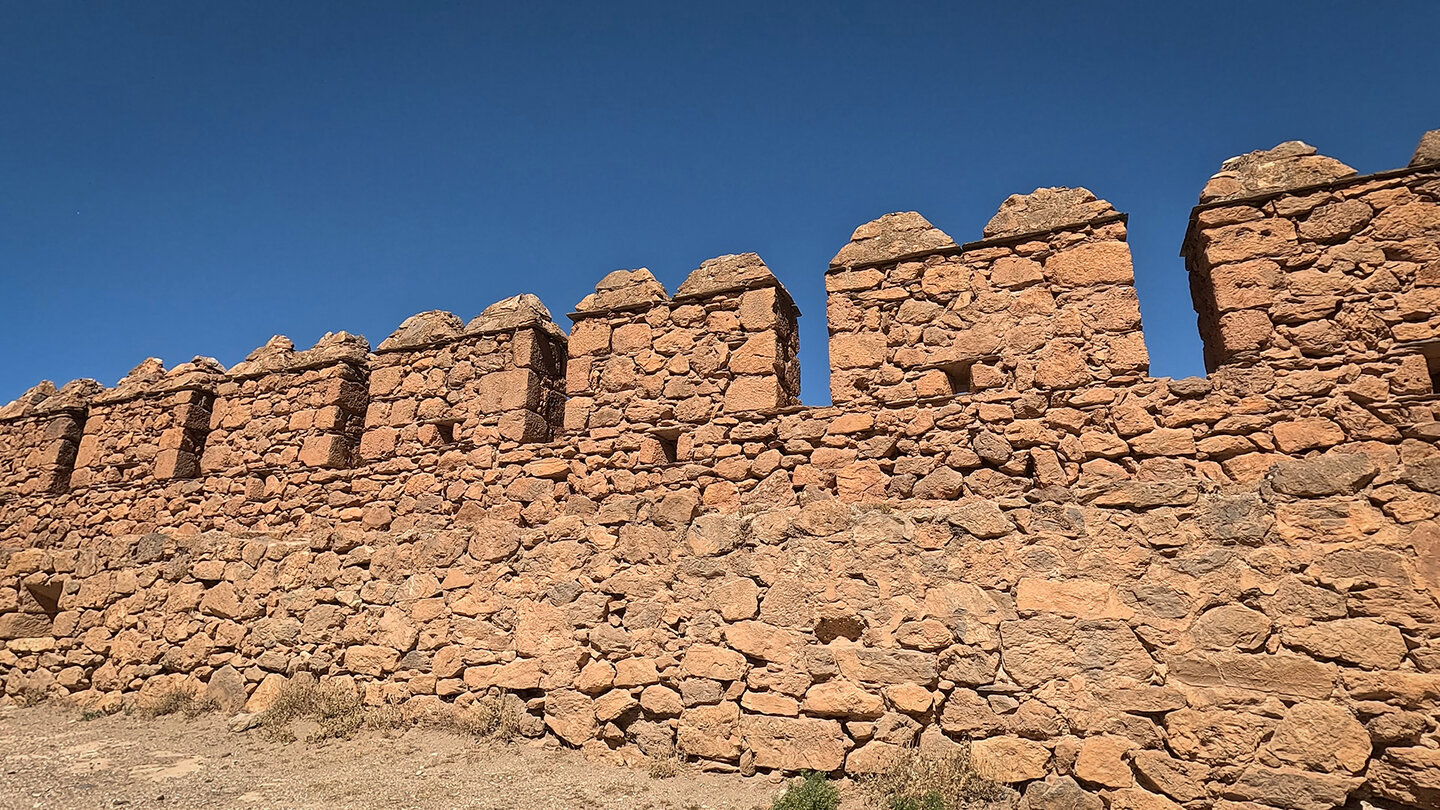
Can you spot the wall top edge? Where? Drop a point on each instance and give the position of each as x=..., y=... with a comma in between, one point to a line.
x=981, y=244
x=1264, y=197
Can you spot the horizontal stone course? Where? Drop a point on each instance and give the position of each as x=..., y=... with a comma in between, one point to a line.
x=1119, y=590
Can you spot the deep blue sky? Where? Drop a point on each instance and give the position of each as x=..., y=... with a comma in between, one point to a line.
x=186, y=178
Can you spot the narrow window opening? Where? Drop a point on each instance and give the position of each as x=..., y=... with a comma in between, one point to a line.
x=959, y=377
x=1432, y=364
x=47, y=596
x=446, y=432
x=669, y=446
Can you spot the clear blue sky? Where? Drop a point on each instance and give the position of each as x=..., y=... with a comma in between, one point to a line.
x=190, y=178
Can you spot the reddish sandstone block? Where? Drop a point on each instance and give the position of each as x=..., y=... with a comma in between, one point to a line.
x=1091, y=263
x=509, y=390
x=327, y=450
x=858, y=350
x=378, y=442
x=174, y=463
x=752, y=394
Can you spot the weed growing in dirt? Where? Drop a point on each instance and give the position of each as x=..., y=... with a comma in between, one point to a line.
x=663, y=767
x=495, y=716
x=339, y=713
x=30, y=696
x=178, y=700
x=814, y=792
x=336, y=709
x=929, y=780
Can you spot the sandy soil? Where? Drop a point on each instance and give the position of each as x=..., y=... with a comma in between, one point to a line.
x=52, y=758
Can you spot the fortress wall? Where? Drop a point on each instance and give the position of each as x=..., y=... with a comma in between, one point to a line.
x=435, y=382
x=1217, y=593
x=281, y=409
x=1045, y=301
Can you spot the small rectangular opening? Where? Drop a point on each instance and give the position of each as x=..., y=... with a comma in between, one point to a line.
x=47, y=596
x=1432, y=364
x=445, y=431
x=668, y=439
x=959, y=377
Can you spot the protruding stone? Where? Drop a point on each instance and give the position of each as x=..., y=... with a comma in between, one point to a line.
x=279, y=355
x=1046, y=209
x=423, y=328
x=337, y=346
x=623, y=289
x=26, y=402
x=1428, y=150
x=1059, y=793
x=45, y=398
x=151, y=377
x=734, y=271
x=149, y=368
x=275, y=351
x=515, y=312
x=1292, y=164
x=891, y=237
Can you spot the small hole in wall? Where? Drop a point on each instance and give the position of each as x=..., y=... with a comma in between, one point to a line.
x=669, y=446
x=1432, y=364
x=959, y=377
x=47, y=596
x=445, y=432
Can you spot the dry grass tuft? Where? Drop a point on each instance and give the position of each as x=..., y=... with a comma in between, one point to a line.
x=932, y=780
x=337, y=712
x=178, y=700
x=334, y=708
x=386, y=718
x=496, y=716
x=30, y=695
x=663, y=767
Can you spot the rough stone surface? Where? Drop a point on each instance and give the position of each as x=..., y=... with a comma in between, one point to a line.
x=1046, y=209
x=891, y=237
x=1118, y=589
x=1428, y=150
x=1291, y=164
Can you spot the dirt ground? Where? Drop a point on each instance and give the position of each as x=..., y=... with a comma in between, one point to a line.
x=52, y=758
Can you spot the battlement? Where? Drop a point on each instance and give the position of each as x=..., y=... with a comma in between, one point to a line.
x=645, y=368
x=1003, y=532
x=1046, y=300
x=1297, y=265
x=437, y=382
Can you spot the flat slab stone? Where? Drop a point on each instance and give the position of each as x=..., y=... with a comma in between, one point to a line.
x=891, y=237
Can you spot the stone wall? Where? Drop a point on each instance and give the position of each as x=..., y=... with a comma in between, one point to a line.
x=438, y=381
x=152, y=426
x=1046, y=300
x=1122, y=591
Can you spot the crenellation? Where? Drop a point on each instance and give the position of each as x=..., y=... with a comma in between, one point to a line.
x=280, y=409
x=1120, y=590
x=1304, y=277
x=642, y=365
x=498, y=379
x=152, y=425
x=1046, y=302
x=40, y=436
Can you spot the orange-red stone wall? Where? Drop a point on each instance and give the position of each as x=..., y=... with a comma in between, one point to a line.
x=1214, y=593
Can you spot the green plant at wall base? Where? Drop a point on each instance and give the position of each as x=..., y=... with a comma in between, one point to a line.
x=814, y=792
